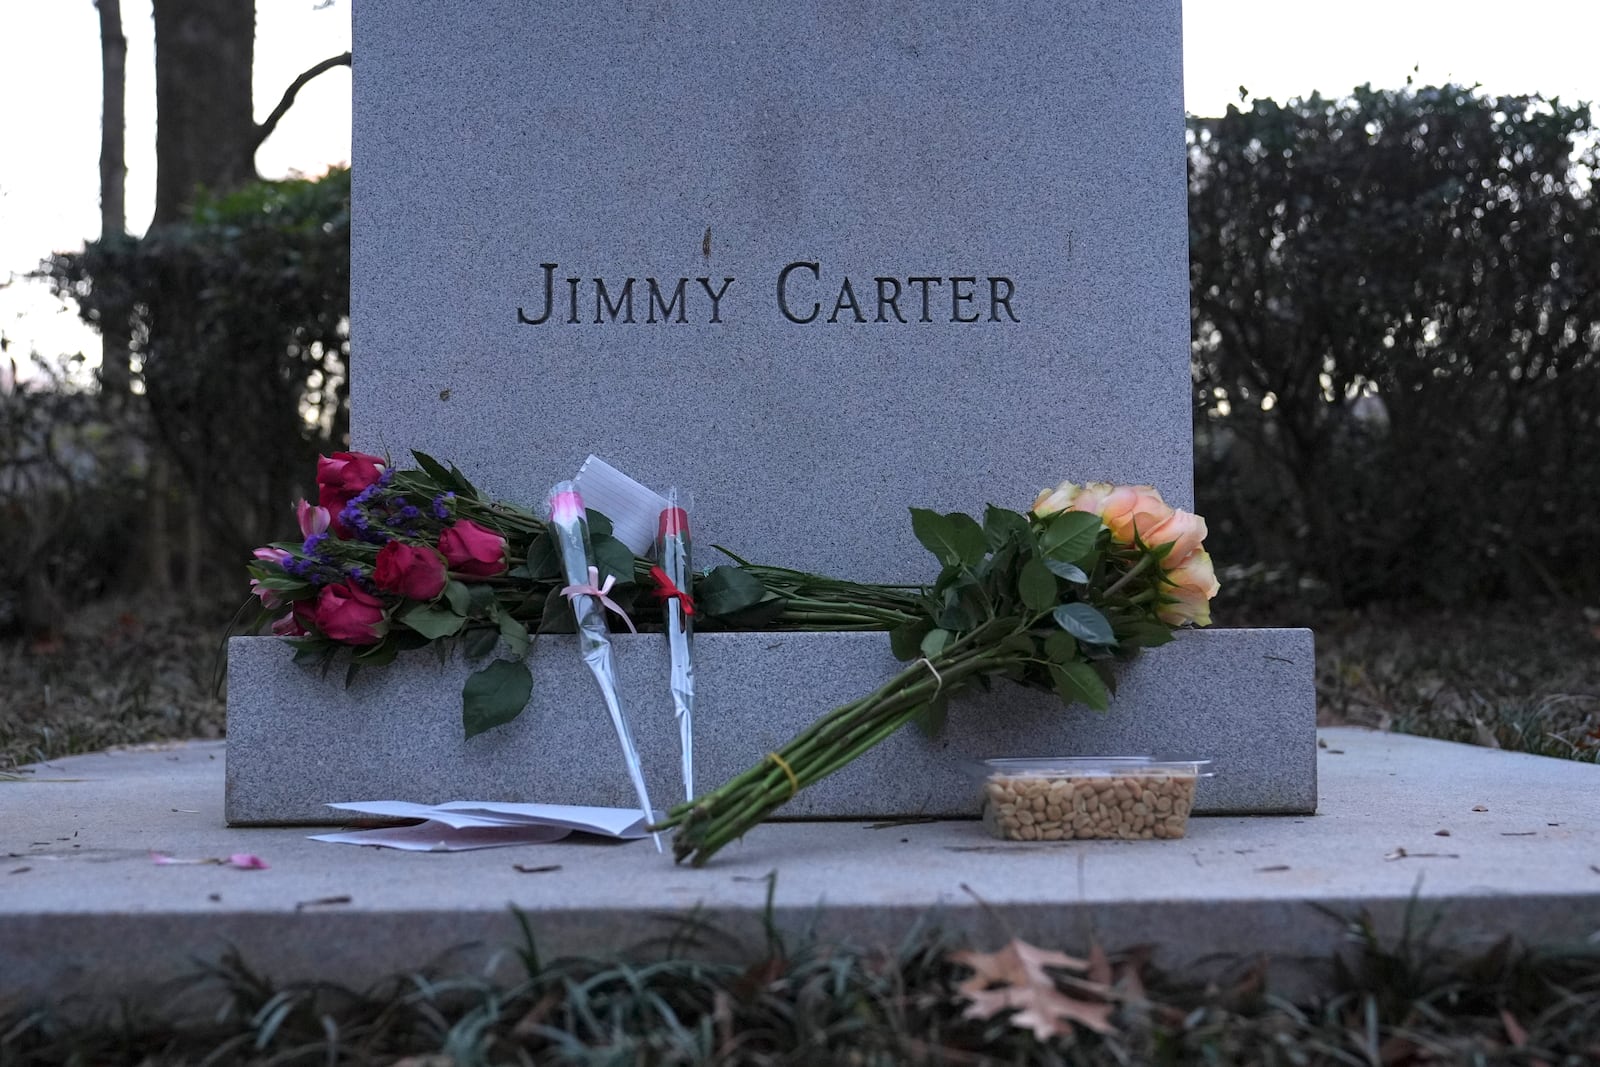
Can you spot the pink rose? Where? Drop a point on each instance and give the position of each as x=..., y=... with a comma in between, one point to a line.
x=313, y=519
x=340, y=478
x=350, y=615
x=1189, y=599
x=288, y=626
x=412, y=572
x=472, y=550
x=1184, y=531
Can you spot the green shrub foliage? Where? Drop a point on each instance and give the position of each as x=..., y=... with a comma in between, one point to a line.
x=239, y=321
x=1395, y=304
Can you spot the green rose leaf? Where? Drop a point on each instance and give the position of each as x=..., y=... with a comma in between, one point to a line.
x=1077, y=683
x=1070, y=571
x=495, y=695
x=757, y=616
x=1084, y=623
x=612, y=557
x=931, y=716
x=556, y=618
x=970, y=541
x=1037, y=585
x=1022, y=644
x=480, y=641
x=1061, y=647
x=1000, y=525
x=432, y=622
x=727, y=590
x=954, y=539
x=480, y=600
x=516, y=635
x=935, y=642
x=450, y=479
x=1070, y=535
x=960, y=609
x=379, y=655
x=1146, y=634
x=599, y=525
x=544, y=561
x=906, y=641
x=459, y=597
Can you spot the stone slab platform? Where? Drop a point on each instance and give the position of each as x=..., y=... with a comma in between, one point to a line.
x=83, y=909
x=298, y=741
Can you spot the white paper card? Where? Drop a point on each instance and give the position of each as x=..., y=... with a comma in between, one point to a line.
x=632, y=508
x=469, y=824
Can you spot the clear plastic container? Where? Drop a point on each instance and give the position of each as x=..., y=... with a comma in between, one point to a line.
x=1073, y=798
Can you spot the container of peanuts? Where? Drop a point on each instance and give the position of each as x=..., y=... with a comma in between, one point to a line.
x=1085, y=797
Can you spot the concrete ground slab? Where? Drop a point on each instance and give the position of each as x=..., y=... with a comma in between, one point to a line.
x=1497, y=842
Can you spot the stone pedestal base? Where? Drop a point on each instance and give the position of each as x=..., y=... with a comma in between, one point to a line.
x=298, y=741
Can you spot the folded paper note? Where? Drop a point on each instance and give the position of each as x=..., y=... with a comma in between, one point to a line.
x=468, y=824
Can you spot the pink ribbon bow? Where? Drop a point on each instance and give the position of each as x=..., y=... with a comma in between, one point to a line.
x=594, y=589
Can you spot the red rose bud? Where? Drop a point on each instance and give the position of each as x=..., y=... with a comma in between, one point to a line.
x=472, y=550
x=340, y=478
x=672, y=521
x=412, y=572
x=350, y=615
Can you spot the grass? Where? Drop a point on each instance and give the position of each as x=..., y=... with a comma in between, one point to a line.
x=1525, y=679
x=1411, y=1002
x=118, y=673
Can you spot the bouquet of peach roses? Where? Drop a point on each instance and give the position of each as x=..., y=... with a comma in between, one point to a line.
x=1050, y=599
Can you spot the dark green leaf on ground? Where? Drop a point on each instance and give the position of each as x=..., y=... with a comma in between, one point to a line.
x=495, y=695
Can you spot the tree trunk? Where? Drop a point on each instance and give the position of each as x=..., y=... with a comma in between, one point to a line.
x=205, y=126
x=114, y=377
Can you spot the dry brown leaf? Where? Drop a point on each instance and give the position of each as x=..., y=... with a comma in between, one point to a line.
x=1015, y=978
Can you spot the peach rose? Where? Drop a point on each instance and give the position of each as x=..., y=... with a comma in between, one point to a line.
x=1054, y=501
x=1183, y=530
x=1189, y=598
x=1128, y=508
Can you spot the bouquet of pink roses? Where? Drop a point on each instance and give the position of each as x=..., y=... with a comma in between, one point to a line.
x=392, y=559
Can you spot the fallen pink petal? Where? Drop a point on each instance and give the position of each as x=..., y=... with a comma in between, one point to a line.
x=247, y=861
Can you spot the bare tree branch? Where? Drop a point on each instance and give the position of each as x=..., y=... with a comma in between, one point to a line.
x=264, y=130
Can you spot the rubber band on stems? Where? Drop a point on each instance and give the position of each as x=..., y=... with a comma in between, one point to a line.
x=794, y=781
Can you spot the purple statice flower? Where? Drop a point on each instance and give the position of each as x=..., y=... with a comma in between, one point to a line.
x=441, y=505
x=313, y=545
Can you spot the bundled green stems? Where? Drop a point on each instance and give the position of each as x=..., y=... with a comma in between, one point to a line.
x=713, y=820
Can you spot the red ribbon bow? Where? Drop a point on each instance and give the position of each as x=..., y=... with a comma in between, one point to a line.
x=666, y=590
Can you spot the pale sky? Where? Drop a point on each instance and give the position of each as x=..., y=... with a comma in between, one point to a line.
x=50, y=97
